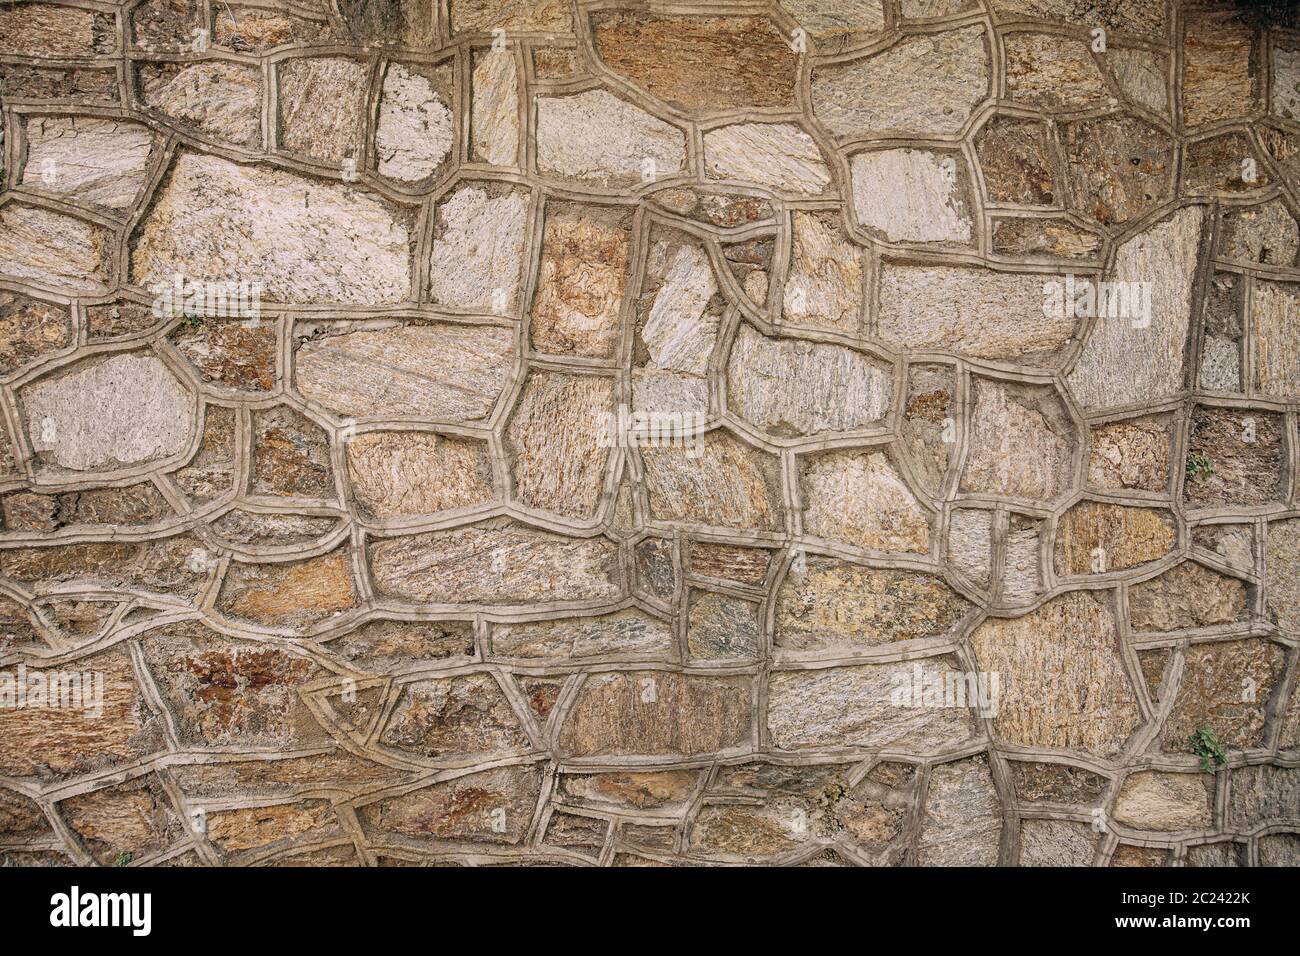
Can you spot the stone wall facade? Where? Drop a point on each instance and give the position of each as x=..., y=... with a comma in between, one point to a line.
x=539, y=431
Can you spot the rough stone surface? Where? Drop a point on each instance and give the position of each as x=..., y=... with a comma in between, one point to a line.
x=910, y=196
x=322, y=101
x=833, y=607
x=791, y=387
x=922, y=85
x=98, y=161
x=1043, y=657
x=630, y=143
x=779, y=156
x=439, y=371
x=1022, y=441
x=859, y=498
x=528, y=432
x=1136, y=357
x=310, y=242
x=581, y=282
x=105, y=414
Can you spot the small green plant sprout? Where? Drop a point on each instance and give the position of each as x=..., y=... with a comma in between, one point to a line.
x=1206, y=746
x=124, y=858
x=1199, y=466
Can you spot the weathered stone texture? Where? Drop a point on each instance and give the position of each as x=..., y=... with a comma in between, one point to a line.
x=310, y=242
x=1043, y=658
x=451, y=373
x=922, y=85
x=859, y=498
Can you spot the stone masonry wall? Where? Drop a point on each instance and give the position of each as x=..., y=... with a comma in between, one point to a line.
x=482, y=431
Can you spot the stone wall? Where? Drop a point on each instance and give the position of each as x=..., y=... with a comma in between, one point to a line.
x=498, y=431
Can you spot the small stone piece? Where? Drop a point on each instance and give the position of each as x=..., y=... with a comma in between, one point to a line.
x=414, y=135
x=779, y=156
x=1164, y=802
x=322, y=103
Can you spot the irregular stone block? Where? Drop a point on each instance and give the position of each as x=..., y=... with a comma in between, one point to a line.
x=867, y=705
x=1117, y=168
x=133, y=505
x=252, y=527
x=211, y=472
x=1056, y=783
x=1131, y=454
x=213, y=98
x=55, y=742
x=290, y=594
x=1140, y=356
x=405, y=22
x=559, y=440
x=1015, y=155
x=225, y=692
x=50, y=30
x=1142, y=17
x=311, y=241
x=1094, y=537
x=970, y=544
x=1217, y=165
x=453, y=718
x=30, y=330
x=1052, y=73
x=129, y=819
x=1218, y=78
x=413, y=133
x=1282, y=573
x=291, y=455
x=699, y=64
x=929, y=425
x=1275, y=309
x=678, y=314
x=824, y=284
x=110, y=413
x=1226, y=687
x=834, y=607
x=629, y=632
x=622, y=714
x=495, y=562
x=1043, y=658
x=51, y=249
x=1035, y=237
x=719, y=627
x=1266, y=233
x=910, y=195
x=982, y=313
x=494, y=123
x=778, y=156
x=859, y=498
x=322, y=102
x=790, y=387
x=88, y=85
x=581, y=281
x=1234, y=456
x=452, y=373
x=93, y=160
x=1261, y=794
x=1057, y=843
x=961, y=823
x=739, y=565
x=239, y=355
x=1190, y=595
x=1021, y=441
x=478, y=247
x=401, y=474
x=385, y=646
x=491, y=806
x=597, y=139
x=922, y=85
x=253, y=30
x=1142, y=76
x=1164, y=802
x=515, y=15
x=721, y=482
